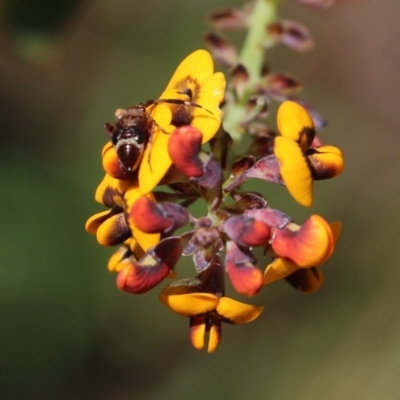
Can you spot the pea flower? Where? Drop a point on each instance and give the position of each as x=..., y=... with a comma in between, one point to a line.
x=300, y=162
x=204, y=302
x=182, y=148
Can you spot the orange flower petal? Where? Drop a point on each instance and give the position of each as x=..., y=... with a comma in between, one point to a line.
x=246, y=279
x=237, y=312
x=93, y=223
x=308, y=246
x=114, y=263
x=112, y=165
x=197, y=331
x=214, y=335
x=189, y=304
x=280, y=268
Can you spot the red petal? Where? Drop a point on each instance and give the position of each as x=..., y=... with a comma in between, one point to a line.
x=139, y=277
x=247, y=230
x=244, y=276
x=183, y=147
x=148, y=217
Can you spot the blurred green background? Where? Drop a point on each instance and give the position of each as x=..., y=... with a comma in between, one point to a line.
x=68, y=333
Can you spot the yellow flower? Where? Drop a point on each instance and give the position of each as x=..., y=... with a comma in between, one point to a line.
x=301, y=164
x=194, y=82
x=206, y=311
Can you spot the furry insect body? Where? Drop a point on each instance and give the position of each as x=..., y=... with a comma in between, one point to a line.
x=134, y=127
x=130, y=134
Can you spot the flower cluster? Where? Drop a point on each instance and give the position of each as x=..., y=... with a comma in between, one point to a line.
x=167, y=154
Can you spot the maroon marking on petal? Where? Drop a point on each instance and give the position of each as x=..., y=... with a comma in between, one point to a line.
x=228, y=19
x=240, y=78
x=212, y=176
x=306, y=280
x=319, y=4
x=201, y=261
x=250, y=201
x=175, y=213
x=223, y=51
x=262, y=146
x=267, y=169
x=169, y=250
x=184, y=146
x=242, y=164
x=220, y=145
x=275, y=84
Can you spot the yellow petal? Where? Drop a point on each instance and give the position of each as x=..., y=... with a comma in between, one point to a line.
x=156, y=161
x=93, y=223
x=106, y=147
x=237, y=312
x=280, y=268
x=189, y=304
x=210, y=94
x=197, y=331
x=332, y=237
x=214, y=335
x=294, y=170
x=110, y=191
x=294, y=122
x=195, y=67
x=113, y=231
x=114, y=263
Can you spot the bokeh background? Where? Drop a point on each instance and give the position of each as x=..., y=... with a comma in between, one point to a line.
x=66, y=332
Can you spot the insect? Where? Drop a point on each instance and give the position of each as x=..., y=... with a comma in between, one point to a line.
x=134, y=128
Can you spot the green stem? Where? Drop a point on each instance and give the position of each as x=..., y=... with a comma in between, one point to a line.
x=257, y=39
x=252, y=58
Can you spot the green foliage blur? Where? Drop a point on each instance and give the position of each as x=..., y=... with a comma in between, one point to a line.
x=68, y=333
